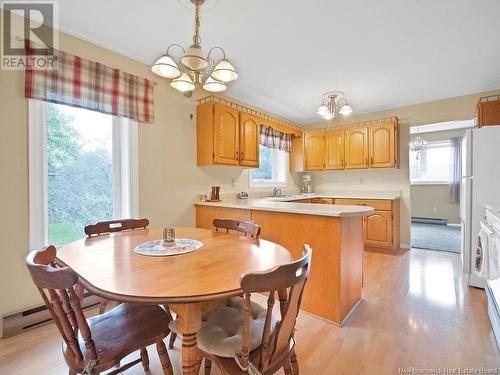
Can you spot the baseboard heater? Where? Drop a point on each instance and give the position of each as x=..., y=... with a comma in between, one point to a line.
x=429, y=220
x=25, y=320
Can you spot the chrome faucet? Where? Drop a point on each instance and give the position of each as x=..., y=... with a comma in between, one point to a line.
x=276, y=192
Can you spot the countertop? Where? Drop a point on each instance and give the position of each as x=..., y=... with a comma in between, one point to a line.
x=265, y=204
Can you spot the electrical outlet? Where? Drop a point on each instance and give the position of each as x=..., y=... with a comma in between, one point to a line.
x=361, y=180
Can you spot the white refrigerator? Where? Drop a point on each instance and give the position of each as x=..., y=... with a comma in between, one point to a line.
x=480, y=185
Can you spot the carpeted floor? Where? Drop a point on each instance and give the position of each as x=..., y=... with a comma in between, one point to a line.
x=435, y=237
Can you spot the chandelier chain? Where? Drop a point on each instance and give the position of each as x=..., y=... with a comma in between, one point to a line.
x=196, y=36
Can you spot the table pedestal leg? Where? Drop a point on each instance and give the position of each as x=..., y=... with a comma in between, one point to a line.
x=189, y=316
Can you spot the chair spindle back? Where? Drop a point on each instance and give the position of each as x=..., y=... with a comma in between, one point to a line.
x=248, y=228
x=57, y=288
x=287, y=283
x=115, y=226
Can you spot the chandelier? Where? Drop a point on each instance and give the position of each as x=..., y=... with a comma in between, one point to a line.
x=194, y=69
x=417, y=143
x=333, y=102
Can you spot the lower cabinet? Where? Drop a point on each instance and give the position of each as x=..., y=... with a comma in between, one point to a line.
x=381, y=229
x=378, y=229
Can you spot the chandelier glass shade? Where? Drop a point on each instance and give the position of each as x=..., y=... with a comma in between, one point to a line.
x=331, y=103
x=195, y=69
x=183, y=84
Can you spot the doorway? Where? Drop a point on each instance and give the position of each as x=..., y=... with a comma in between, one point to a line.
x=434, y=158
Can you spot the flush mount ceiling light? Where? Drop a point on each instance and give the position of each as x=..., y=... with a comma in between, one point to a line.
x=193, y=68
x=333, y=102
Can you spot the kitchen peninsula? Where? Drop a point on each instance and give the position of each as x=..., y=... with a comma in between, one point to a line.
x=335, y=233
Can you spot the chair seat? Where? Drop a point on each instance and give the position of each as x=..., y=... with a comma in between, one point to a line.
x=220, y=332
x=123, y=330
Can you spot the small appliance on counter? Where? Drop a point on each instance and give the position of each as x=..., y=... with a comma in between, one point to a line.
x=306, y=183
x=243, y=195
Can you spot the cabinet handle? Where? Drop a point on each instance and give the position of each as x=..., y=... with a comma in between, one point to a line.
x=371, y=160
x=306, y=163
x=236, y=155
x=241, y=155
x=366, y=161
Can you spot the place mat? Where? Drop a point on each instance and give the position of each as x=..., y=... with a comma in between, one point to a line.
x=157, y=249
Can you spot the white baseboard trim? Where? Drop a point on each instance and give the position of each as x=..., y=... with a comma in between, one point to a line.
x=404, y=246
x=454, y=225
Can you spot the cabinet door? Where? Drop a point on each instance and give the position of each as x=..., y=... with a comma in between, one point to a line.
x=382, y=145
x=356, y=145
x=378, y=229
x=226, y=139
x=314, y=151
x=334, y=140
x=249, y=140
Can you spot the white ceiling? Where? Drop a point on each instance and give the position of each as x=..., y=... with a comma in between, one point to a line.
x=383, y=54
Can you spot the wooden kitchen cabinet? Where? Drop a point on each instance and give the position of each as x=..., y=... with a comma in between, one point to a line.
x=381, y=229
x=249, y=140
x=488, y=111
x=314, y=151
x=227, y=133
x=378, y=229
x=356, y=148
x=322, y=200
x=335, y=151
x=217, y=134
x=382, y=145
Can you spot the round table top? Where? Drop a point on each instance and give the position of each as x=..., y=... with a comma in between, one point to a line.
x=108, y=266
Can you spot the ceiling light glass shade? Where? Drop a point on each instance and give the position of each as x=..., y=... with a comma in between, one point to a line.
x=184, y=83
x=323, y=110
x=224, y=72
x=194, y=59
x=345, y=110
x=166, y=67
x=329, y=116
x=213, y=85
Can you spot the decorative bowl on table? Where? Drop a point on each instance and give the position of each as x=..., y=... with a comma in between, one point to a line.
x=159, y=249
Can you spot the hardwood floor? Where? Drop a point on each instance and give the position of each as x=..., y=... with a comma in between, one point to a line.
x=417, y=311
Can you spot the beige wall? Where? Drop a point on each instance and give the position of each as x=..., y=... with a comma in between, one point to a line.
x=169, y=179
x=433, y=201
x=459, y=108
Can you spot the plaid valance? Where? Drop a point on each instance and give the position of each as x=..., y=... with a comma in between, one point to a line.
x=273, y=138
x=88, y=84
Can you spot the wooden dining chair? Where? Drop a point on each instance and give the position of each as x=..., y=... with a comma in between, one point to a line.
x=243, y=337
x=99, y=343
x=248, y=228
x=104, y=227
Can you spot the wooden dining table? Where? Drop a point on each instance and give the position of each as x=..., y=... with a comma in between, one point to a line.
x=189, y=283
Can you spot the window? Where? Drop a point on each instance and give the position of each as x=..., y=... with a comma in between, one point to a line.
x=432, y=164
x=273, y=168
x=82, y=170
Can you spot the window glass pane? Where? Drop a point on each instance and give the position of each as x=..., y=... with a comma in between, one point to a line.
x=265, y=171
x=273, y=168
x=431, y=164
x=80, y=171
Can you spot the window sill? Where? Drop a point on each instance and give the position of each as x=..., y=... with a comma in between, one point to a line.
x=430, y=183
x=267, y=184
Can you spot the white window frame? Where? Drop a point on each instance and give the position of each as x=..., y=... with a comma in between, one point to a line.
x=432, y=144
x=274, y=182
x=125, y=172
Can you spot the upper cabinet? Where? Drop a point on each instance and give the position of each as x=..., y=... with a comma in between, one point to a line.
x=368, y=145
x=356, y=148
x=314, y=151
x=488, y=111
x=228, y=133
x=249, y=140
x=335, y=150
x=382, y=145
